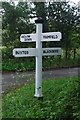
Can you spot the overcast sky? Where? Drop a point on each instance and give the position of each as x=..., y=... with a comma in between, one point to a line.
x=75, y=1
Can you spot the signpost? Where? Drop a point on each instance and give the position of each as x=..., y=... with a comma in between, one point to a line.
x=28, y=38
x=38, y=52
x=51, y=36
x=25, y=52
x=51, y=51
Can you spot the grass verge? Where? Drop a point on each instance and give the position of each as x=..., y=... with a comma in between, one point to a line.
x=60, y=101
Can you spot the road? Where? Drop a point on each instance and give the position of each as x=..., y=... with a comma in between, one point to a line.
x=15, y=79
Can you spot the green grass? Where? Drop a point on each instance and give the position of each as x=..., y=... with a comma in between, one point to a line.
x=60, y=101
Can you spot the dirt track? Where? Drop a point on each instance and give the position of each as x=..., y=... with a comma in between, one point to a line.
x=10, y=79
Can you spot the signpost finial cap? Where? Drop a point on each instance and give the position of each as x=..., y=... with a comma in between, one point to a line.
x=39, y=20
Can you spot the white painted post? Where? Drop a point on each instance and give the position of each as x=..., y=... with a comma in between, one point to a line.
x=38, y=80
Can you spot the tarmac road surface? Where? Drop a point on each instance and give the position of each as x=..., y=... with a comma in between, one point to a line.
x=12, y=79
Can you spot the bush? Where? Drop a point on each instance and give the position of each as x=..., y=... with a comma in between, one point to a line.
x=7, y=53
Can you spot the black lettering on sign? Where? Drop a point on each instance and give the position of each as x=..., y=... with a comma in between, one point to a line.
x=22, y=36
x=21, y=52
x=50, y=36
x=27, y=38
x=17, y=52
x=54, y=36
x=50, y=51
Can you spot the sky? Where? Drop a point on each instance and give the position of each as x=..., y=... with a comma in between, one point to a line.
x=75, y=1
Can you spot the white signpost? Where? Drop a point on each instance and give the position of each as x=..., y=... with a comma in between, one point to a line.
x=25, y=52
x=28, y=38
x=51, y=51
x=38, y=52
x=50, y=36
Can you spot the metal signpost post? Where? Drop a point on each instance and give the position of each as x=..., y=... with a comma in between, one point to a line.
x=38, y=82
x=38, y=52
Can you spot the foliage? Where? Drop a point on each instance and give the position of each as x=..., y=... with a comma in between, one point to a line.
x=56, y=17
x=25, y=64
x=15, y=21
x=18, y=65
x=60, y=101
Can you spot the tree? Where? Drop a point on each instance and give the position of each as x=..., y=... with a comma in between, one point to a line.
x=62, y=17
x=15, y=22
x=39, y=10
